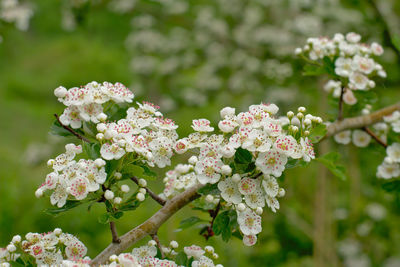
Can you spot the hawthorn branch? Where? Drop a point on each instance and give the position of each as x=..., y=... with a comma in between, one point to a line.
x=155, y=238
x=340, y=112
x=360, y=121
x=150, y=226
x=151, y=193
x=69, y=129
x=114, y=233
x=375, y=137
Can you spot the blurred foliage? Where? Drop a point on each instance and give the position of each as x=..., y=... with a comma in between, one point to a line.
x=361, y=218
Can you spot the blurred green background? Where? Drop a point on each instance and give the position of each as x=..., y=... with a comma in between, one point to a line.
x=323, y=221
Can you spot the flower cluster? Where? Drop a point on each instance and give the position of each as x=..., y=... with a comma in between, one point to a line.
x=12, y=11
x=146, y=256
x=245, y=159
x=390, y=166
x=46, y=249
x=144, y=132
x=354, y=66
x=85, y=104
x=71, y=178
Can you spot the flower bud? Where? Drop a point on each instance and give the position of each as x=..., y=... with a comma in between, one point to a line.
x=16, y=239
x=57, y=231
x=11, y=248
x=209, y=198
x=301, y=109
x=298, y=51
x=215, y=256
x=226, y=170
x=102, y=117
x=152, y=243
x=100, y=136
x=209, y=249
x=99, y=162
x=117, y=200
x=259, y=210
x=60, y=92
x=193, y=160
x=236, y=178
x=290, y=114
x=300, y=115
x=50, y=162
x=216, y=201
x=39, y=192
x=173, y=244
x=227, y=111
x=306, y=133
x=118, y=175
x=142, y=182
x=108, y=195
x=101, y=127
x=281, y=192
x=140, y=197
x=143, y=191
x=125, y=188
x=307, y=122
x=241, y=207
x=113, y=258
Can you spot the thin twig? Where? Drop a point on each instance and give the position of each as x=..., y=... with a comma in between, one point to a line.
x=340, y=112
x=375, y=137
x=69, y=129
x=155, y=238
x=151, y=193
x=113, y=228
x=213, y=214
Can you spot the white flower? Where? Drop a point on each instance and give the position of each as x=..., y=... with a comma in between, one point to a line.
x=249, y=222
x=162, y=151
x=90, y=112
x=59, y=195
x=249, y=240
x=227, y=126
x=194, y=251
x=75, y=250
x=286, y=144
x=181, y=146
x=271, y=186
x=363, y=64
x=343, y=137
x=227, y=112
x=229, y=191
x=271, y=162
x=208, y=170
x=388, y=170
x=376, y=49
x=79, y=188
x=343, y=67
x=272, y=203
x=353, y=37
x=248, y=185
x=349, y=98
x=111, y=151
x=358, y=80
x=393, y=152
x=256, y=199
x=62, y=161
x=203, y=262
x=257, y=141
x=361, y=138
x=202, y=125
x=71, y=117
x=307, y=149
x=144, y=251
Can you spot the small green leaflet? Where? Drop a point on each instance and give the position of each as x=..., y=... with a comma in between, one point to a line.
x=70, y=204
x=225, y=223
x=188, y=222
x=209, y=189
x=317, y=133
x=331, y=160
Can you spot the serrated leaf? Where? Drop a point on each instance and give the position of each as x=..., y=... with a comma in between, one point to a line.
x=317, y=133
x=188, y=222
x=92, y=150
x=330, y=160
x=221, y=222
x=392, y=186
x=57, y=129
x=181, y=259
x=209, y=189
x=70, y=204
x=243, y=156
x=117, y=214
x=104, y=218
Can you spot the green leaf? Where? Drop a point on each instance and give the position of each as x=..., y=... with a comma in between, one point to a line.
x=243, y=156
x=117, y=214
x=202, y=205
x=313, y=70
x=392, y=186
x=57, y=129
x=330, y=160
x=131, y=205
x=317, y=133
x=70, y=204
x=188, y=222
x=396, y=41
x=221, y=222
x=181, y=259
x=104, y=218
x=92, y=150
x=132, y=170
x=292, y=163
x=209, y=189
